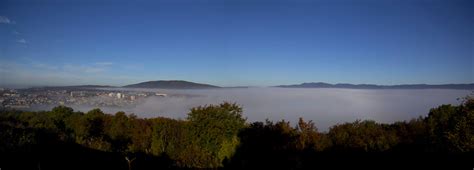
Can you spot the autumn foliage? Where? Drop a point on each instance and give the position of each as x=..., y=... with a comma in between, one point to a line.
x=214, y=136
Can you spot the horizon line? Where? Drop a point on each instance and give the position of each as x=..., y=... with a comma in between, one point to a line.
x=19, y=86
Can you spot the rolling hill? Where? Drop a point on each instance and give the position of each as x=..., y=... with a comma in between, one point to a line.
x=171, y=84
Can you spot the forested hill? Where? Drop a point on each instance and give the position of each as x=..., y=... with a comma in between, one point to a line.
x=215, y=136
x=171, y=84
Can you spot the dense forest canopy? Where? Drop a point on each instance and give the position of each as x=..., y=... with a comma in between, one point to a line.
x=216, y=136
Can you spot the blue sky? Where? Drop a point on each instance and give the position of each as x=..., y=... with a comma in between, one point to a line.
x=234, y=43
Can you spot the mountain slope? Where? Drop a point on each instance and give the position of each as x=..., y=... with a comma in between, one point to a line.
x=171, y=84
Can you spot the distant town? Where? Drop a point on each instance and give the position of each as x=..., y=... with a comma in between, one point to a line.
x=26, y=98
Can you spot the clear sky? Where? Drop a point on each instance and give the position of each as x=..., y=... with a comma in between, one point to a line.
x=236, y=42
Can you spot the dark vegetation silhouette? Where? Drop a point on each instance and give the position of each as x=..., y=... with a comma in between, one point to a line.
x=217, y=136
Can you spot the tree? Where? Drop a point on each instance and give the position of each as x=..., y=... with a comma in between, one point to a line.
x=94, y=123
x=366, y=136
x=168, y=135
x=140, y=135
x=118, y=129
x=451, y=128
x=59, y=115
x=411, y=135
x=308, y=136
x=461, y=135
x=215, y=128
x=213, y=136
x=90, y=130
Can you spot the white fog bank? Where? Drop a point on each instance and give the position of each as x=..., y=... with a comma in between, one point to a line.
x=326, y=107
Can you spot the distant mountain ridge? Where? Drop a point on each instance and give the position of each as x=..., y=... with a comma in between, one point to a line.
x=181, y=84
x=171, y=84
x=373, y=86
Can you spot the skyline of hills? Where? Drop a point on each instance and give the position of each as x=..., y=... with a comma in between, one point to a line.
x=171, y=84
x=469, y=86
x=182, y=84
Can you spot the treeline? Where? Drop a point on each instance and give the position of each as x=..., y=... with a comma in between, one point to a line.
x=216, y=136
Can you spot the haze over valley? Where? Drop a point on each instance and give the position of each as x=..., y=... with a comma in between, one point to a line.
x=325, y=106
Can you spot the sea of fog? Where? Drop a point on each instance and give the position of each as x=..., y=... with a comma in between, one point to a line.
x=326, y=107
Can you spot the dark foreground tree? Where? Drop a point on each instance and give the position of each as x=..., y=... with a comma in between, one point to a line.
x=216, y=136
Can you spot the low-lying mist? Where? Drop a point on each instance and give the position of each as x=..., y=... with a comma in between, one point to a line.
x=325, y=107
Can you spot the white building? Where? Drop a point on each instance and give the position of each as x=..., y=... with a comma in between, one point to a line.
x=160, y=94
x=120, y=95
